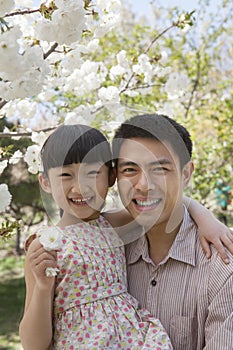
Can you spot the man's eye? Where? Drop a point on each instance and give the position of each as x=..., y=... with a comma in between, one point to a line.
x=128, y=170
x=159, y=169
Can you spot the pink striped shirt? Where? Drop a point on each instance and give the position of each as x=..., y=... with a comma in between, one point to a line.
x=191, y=295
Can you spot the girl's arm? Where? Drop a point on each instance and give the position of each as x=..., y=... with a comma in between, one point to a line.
x=210, y=229
x=35, y=328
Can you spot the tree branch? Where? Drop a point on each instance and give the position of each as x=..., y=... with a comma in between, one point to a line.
x=51, y=50
x=25, y=12
x=24, y=134
x=195, y=85
x=147, y=50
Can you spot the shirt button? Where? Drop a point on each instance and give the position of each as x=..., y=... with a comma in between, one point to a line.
x=153, y=282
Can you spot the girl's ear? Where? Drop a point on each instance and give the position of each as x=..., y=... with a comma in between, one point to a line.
x=111, y=177
x=44, y=182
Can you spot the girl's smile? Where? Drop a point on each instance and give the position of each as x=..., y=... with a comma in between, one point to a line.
x=79, y=189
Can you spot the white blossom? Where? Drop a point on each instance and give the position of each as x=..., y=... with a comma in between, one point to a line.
x=5, y=197
x=39, y=137
x=177, y=83
x=3, y=165
x=24, y=3
x=16, y=157
x=109, y=94
x=80, y=115
x=86, y=79
x=32, y=158
x=6, y=6
x=51, y=271
x=20, y=71
x=66, y=25
x=50, y=238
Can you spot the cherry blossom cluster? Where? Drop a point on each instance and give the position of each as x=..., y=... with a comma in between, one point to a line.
x=46, y=48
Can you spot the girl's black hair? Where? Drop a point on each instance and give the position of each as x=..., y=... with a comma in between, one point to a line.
x=78, y=143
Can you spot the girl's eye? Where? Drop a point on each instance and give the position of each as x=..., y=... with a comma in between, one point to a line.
x=65, y=175
x=93, y=172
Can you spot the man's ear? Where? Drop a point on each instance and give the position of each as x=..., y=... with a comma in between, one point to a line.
x=187, y=173
x=111, y=177
x=44, y=182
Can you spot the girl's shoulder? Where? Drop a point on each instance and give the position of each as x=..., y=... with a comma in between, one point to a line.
x=117, y=217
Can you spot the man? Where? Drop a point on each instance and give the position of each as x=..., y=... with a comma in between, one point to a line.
x=167, y=270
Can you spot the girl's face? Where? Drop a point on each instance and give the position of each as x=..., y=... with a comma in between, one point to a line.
x=79, y=189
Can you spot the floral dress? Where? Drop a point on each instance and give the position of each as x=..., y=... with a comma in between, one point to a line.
x=92, y=308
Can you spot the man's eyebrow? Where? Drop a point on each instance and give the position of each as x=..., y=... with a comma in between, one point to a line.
x=124, y=163
x=162, y=161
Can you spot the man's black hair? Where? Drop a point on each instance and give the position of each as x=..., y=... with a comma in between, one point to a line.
x=158, y=127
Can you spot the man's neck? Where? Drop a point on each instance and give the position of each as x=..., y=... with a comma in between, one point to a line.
x=161, y=237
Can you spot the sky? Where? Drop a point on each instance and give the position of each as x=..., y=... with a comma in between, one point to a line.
x=143, y=6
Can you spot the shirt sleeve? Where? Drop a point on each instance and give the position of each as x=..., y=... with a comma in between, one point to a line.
x=219, y=321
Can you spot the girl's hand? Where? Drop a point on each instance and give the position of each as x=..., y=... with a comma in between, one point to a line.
x=39, y=259
x=220, y=235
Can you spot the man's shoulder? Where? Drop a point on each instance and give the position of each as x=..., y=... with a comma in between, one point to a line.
x=217, y=263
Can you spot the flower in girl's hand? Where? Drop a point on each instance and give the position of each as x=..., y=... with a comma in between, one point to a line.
x=51, y=240
x=51, y=271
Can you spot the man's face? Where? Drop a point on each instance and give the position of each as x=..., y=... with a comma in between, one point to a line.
x=150, y=181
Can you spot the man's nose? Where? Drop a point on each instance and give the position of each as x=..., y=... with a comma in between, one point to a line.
x=144, y=182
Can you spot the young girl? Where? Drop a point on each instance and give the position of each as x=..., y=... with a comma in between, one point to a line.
x=86, y=306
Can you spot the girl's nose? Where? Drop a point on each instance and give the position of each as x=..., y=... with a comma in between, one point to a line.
x=79, y=185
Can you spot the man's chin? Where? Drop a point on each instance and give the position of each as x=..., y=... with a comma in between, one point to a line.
x=146, y=219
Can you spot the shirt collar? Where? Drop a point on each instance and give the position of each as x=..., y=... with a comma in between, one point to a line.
x=182, y=249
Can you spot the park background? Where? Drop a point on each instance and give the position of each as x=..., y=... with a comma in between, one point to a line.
x=173, y=57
